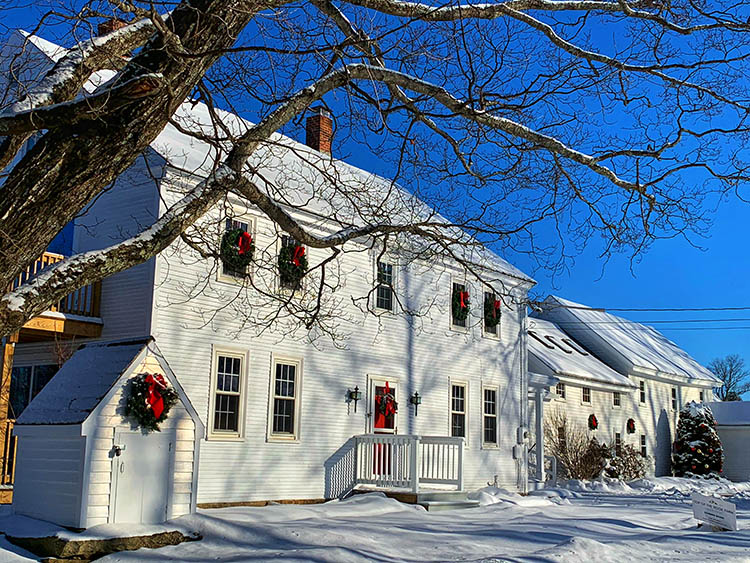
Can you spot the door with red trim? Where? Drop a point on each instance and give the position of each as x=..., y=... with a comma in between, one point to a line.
x=384, y=421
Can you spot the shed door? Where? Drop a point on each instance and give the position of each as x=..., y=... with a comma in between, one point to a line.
x=142, y=477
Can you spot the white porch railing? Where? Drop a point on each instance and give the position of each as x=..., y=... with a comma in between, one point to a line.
x=405, y=461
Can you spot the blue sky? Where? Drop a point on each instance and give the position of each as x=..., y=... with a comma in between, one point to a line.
x=672, y=273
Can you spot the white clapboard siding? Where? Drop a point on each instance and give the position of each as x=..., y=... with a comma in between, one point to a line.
x=51, y=487
x=656, y=418
x=123, y=211
x=423, y=358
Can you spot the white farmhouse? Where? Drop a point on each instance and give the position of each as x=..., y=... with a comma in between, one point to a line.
x=288, y=414
x=665, y=376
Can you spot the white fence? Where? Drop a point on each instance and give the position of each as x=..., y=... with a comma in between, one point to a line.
x=405, y=461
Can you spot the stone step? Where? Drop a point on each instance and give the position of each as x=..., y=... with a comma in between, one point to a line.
x=436, y=505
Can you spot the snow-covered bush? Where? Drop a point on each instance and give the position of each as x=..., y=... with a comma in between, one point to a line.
x=697, y=447
x=628, y=465
x=579, y=456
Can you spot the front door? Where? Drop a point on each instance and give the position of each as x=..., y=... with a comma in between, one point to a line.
x=142, y=477
x=384, y=421
x=384, y=407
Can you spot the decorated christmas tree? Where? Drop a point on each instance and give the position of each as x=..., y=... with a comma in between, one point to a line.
x=697, y=447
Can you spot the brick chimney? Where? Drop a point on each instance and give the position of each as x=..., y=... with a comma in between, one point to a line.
x=319, y=129
x=110, y=25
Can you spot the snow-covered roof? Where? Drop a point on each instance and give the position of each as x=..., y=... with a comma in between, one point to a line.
x=643, y=346
x=82, y=382
x=566, y=357
x=298, y=176
x=731, y=413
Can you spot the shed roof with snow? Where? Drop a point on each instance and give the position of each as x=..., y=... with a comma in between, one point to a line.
x=567, y=358
x=731, y=413
x=642, y=347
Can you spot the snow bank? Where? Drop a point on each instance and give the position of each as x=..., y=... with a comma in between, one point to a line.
x=662, y=485
x=496, y=495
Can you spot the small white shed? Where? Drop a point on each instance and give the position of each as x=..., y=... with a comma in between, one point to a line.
x=733, y=425
x=81, y=462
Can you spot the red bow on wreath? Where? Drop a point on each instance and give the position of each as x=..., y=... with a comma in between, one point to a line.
x=496, y=308
x=154, y=398
x=461, y=296
x=389, y=407
x=299, y=253
x=244, y=243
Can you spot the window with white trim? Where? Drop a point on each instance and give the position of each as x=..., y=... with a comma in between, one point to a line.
x=230, y=225
x=458, y=289
x=644, y=451
x=674, y=398
x=618, y=444
x=642, y=392
x=458, y=410
x=288, y=241
x=616, y=399
x=384, y=292
x=560, y=390
x=489, y=417
x=285, y=399
x=586, y=394
x=492, y=306
x=229, y=373
x=703, y=396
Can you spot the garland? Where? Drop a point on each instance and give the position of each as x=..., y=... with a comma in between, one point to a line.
x=237, y=249
x=460, y=305
x=386, y=403
x=631, y=426
x=593, y=422
x=292, y=265
x=150, y=400
x=491, y=311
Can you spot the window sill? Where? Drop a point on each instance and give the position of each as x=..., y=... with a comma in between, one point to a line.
x=234, y=280
x=586, y=403
x=459, y=329
x=224, y=438
x=490, y=336
x=560, y=399
x=283, y=439
x=490, y=446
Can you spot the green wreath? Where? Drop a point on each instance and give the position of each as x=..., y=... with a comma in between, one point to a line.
x=460, y=313
x=593, y=422
x=149, y=394
x=631, y=426
x=491, y=313
x=292, y=265
x=236, y=253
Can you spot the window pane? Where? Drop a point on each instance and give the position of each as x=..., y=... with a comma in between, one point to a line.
x=491, y=297
x=226, y=415
x=20, y=390
x=458, y=425
x=228, y=374
x=490, y=429
x=490, y=401
x=283, y=416
x=230, y=225
x=42, y=375
x=285, y=379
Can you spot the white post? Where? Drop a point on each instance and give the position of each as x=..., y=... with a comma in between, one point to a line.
x=461, y=465
x=539, y=419
x=415, y=462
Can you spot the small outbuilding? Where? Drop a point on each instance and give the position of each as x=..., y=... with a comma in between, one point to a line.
x=81, y=461
x=733, y=425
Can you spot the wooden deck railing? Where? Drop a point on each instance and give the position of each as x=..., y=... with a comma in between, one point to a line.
x=83, y=301
x=9, y=441
x=405, y=461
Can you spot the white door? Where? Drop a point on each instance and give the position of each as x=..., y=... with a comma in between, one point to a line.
x=142, y=477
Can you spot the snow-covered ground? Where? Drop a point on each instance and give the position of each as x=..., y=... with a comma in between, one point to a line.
x=602, y=521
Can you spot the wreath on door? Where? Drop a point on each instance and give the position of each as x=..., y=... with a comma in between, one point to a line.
x=150, y=399
x=385, y=403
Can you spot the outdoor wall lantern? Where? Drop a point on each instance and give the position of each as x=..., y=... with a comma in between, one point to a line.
x=355, y=396
x=415, y=400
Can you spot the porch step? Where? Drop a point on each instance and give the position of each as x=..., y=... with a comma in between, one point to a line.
x=427, y=496
x=436, y=505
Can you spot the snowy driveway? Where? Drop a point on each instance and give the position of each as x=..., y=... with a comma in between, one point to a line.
x=616, y=523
